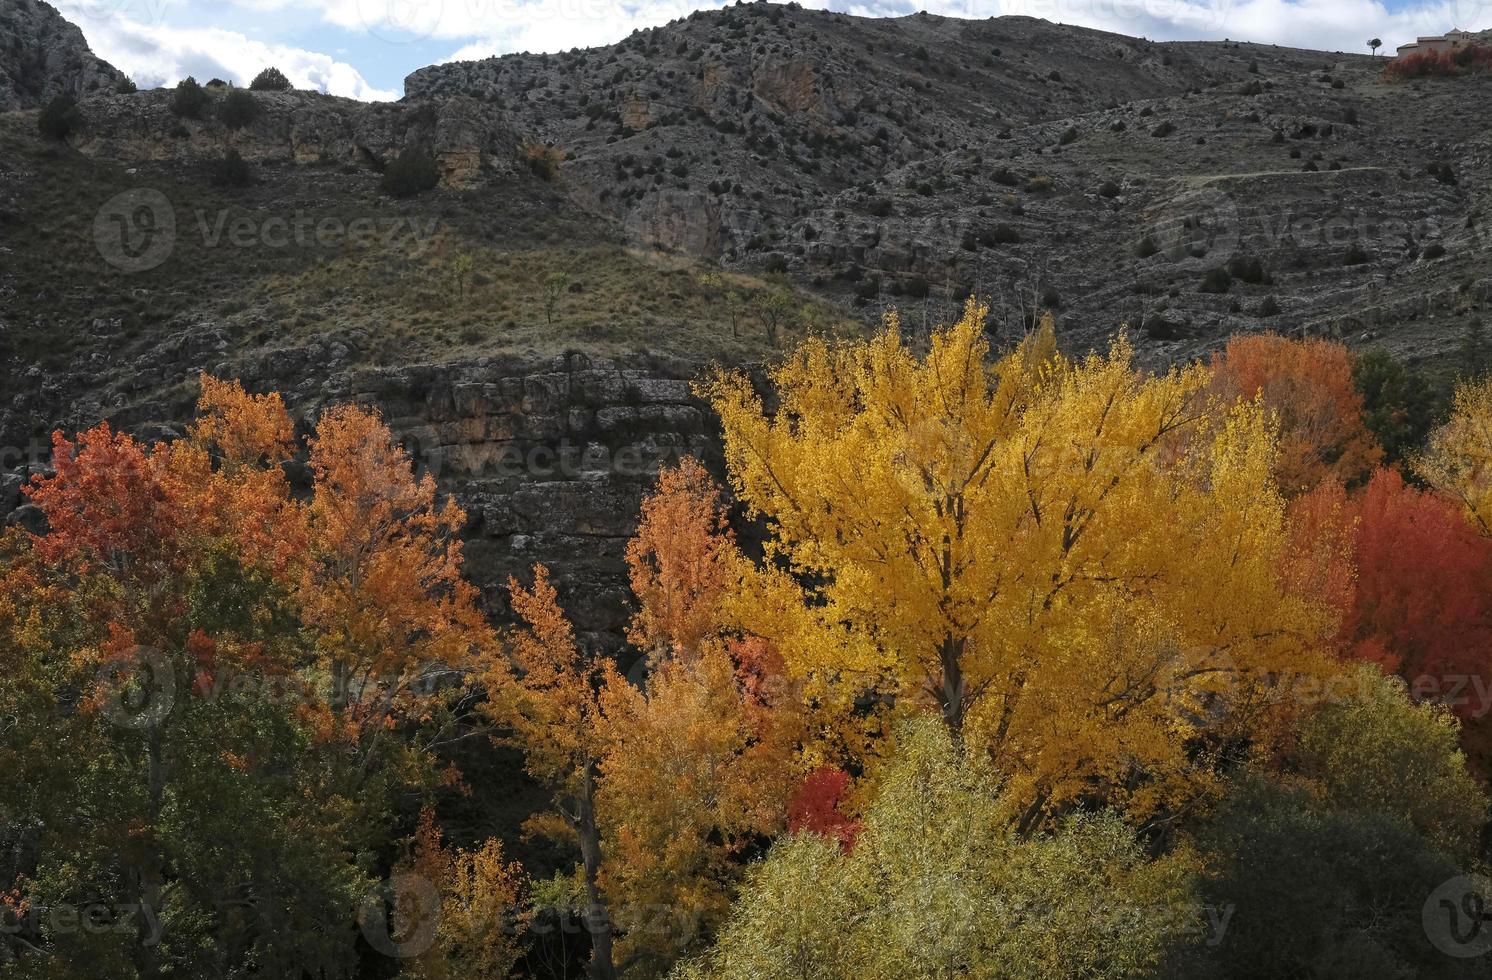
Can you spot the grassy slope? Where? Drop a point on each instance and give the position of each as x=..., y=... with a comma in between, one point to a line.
x=393, y=296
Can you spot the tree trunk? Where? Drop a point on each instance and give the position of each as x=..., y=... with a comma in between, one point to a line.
x=597, y=916
x=147, y=961
x=952, y=695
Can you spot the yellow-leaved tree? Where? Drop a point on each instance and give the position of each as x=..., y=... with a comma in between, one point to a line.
x=1076, y=562
x=1458, y=459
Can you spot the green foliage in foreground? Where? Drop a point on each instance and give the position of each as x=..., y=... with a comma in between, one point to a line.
x=1321, y=871
x=939, y=885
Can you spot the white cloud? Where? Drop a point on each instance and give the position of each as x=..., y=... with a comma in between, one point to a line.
x=154, y=54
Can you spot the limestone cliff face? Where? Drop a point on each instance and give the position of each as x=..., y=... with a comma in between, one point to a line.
x=42, y=56
x=470, y=140
x=550, y=457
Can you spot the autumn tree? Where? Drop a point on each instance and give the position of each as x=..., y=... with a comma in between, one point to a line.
x=1458, y=459
x=549, y=696
x=1421, y=601
x=698, y=755
x=479, y=913
x=677, y=562
x=819, y=806
x=694, y=777
x=1309, y=385
x=938, y=884
x=1036, y=547
x=383, y=588
x=173, y=627
x=1373, y=809
x=163, y=571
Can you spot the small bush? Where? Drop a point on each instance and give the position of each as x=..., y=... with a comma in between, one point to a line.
x=1356, y=255
x=1039, y=184
x=190, y=100
x=270, y=80
x=999, y=235
x=1146, y=248
x=1069, y=135
x=1164, y=129
x=1108, y=189
x=231, y=171
x=1249, y=269
x=1442, y=172
x=239, y=109
x=1270, y=306
x=58, y=118
x=544, y=160
x=411, y=172
x=1218, y=280
x=126, y=86
x=1440, y=64
x=1433, y=251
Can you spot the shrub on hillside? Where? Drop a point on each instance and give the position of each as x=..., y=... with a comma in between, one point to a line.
x=1440, y=64
x=239, y=109
x=270, y=80
x=1249, y=269
x=58, y=118
x=410, y=173
x=126, y=86
x=231, y=171
x=543, y=160
x=1218, y=280
x=189, y=100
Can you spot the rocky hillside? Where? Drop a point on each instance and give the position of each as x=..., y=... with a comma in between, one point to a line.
x=42, y=55
x=911, y=161
x=606, y=223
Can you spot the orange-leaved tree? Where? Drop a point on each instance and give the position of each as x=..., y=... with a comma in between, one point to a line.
x=183, y=605
x=677, y=561
x=547, y=698
x=1308, y=385
x=383, y=586
x=700, y=755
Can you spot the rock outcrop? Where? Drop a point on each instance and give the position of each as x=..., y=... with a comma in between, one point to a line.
x=910, y=161
x=43, y=56
x=470, y=140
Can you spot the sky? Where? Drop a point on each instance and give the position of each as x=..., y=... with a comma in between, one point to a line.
x=363, y=49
